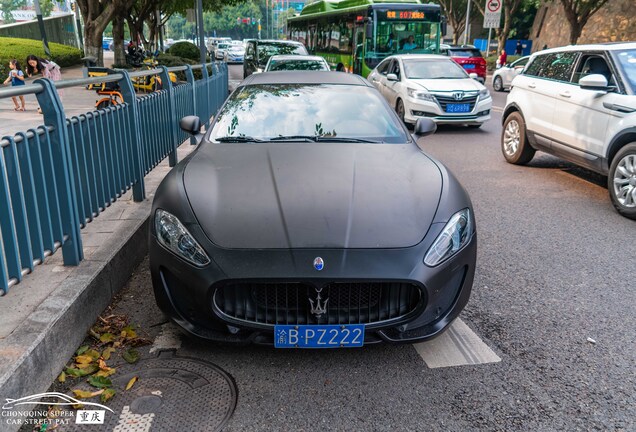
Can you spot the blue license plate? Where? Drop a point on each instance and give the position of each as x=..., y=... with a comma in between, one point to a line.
x=319, y=336
x=469, y=66
x=458, y=108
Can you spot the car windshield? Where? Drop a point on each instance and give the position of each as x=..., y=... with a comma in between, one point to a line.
x=626, y=60
x=223, y=46
x=266, y=50
x=281, y=65
x=433, y=69
x=465, y=53
x=304, y=112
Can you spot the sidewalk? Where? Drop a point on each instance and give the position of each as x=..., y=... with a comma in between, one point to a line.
x=76, y=100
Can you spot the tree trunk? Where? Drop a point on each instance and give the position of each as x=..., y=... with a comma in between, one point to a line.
x=93, y=43
x=118, y=40
x=575, y=32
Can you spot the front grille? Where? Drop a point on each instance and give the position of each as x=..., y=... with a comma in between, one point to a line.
x=339, y=302
x=443, y=101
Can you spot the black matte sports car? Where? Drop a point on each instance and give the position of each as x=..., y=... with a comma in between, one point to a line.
x=309, y=217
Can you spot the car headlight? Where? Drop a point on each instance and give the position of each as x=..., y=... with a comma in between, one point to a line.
x=420, y=94
x=453, y=237
x=175, y=237
x=484, y=94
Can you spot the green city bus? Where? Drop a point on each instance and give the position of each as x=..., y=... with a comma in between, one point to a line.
x=355, y=35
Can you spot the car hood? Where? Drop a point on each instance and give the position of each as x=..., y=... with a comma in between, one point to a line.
x=300, y=195
x=434, y=85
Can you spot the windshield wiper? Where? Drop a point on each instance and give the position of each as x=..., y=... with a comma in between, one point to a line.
x=319, y=138
x=240, y=138
x=308, y=138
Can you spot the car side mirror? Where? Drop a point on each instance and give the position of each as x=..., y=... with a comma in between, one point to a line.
x=424, y=127
x=191, y=125
x=473, y=75
x=392, y=77
x=596, y=82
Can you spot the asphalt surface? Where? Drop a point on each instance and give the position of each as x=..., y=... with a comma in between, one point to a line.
x=553, y=297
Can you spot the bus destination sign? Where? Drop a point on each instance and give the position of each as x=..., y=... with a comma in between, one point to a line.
x=404, y=15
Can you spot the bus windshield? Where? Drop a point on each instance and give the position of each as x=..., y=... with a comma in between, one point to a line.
x=404, y=37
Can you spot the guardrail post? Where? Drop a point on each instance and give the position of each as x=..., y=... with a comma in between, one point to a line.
x=130, y=97
x=190, y=79
x=54, y=116
x=167, y=85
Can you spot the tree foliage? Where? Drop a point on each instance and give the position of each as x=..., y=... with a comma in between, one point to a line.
x=578, y=12
x=455, y=12
x=509, y=9
x=8, y=6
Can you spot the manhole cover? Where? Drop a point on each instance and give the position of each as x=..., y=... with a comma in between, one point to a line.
x=172, y=394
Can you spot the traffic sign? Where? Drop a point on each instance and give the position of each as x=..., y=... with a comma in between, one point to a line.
x=492, y=15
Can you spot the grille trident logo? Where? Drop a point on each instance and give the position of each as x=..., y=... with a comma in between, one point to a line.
x=318, y=308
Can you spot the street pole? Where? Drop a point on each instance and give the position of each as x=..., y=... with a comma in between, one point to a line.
x=266, y=18
x=202, y=47
x=78, y=25
x=38, y=13
x=160, y=29
x=488, y=44
x=467, y=22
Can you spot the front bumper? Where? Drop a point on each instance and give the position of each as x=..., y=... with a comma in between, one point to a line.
x=417, y=108
x=186, y=294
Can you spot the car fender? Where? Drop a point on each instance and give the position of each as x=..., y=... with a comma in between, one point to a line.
x=621, y=138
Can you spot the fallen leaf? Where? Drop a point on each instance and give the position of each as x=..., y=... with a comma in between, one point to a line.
x=89, y=369
x=102, y=364
x=108, y=394
x=107, y=337
x=131, y=383
x=100, y=382
x=105, y=372
x=128, y=332
x=62, y=377
x=93, y=353
x=131, y=356
x=116, y=344
x=83, y=359
x=83, y=394
x=107, y=352
x=82, y=349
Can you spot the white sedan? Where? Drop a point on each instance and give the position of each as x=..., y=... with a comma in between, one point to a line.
x=296, y=62
x=502, y=77
x=433, y=86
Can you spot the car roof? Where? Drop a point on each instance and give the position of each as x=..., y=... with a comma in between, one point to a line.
x=276, y=41
x=421, y=57
x=295, y=57
x=306, y=77
x=608, y=46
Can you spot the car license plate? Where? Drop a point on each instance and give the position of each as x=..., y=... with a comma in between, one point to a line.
x=319, y=336
x=469, y=66
x=458, y=108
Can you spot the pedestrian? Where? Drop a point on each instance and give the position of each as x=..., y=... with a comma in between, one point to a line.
x=503, y=58
x=519, y=48
x=16, y=76
x=47, y=68
x=545, y=47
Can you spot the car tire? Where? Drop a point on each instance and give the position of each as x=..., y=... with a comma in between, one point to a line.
x=621, y=181
x=104, y=104
x=399, y=109
x=514, y=140
x=497, y=84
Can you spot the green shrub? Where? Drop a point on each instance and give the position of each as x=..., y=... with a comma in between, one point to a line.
x=172, y=60
x=186, y=50
x=14, y=48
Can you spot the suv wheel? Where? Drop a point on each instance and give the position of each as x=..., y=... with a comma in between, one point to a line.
x=514, y=142
x=621, y=181
x=497, y=85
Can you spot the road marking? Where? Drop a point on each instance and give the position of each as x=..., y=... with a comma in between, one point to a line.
x=497, y=109
x=131, y=422
x=458, y=346
x=170, y=338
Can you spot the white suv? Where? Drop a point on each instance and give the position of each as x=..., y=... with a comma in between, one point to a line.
x=578, y=103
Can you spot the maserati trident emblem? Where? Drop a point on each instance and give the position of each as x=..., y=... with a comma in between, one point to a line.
x=458, y=95
x=319, y=307
x=319, y=264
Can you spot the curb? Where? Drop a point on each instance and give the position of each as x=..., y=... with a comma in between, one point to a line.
x=57, y=327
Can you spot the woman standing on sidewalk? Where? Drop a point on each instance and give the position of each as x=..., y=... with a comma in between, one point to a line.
x=47, y=68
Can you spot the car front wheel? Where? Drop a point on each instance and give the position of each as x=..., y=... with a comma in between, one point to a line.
x=399, y=109
x=514, y=141
x=497, y=84
x=621, y=181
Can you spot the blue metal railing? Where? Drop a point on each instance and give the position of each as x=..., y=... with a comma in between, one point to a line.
x=56, y=178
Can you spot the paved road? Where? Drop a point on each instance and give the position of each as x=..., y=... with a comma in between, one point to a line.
x=553, y=300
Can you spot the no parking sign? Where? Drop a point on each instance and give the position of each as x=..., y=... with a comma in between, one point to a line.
x=492, y=15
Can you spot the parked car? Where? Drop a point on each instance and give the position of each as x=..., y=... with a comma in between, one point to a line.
x=468, y=57
x=296, y=62
x=309, y=217
x=106, y=41
x=111, y=45
x=431, y=86
x=258, y=52
x=220, y=51
x=235, y=53
x=578, y=103
x=502, y=77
